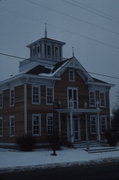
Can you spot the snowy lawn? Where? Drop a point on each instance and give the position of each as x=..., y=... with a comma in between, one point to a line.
x=11, y=159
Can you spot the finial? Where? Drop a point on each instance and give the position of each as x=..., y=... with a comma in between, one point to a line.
x=45, y=30
x=73, y=51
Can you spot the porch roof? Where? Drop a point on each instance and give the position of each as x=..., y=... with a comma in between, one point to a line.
x=77, y=110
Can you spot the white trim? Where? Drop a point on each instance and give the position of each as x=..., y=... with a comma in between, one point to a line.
x=72, y=88
x=103, y=116
x=1, y=119
x=52, y=95
x=79, y=130
x=10, y=118
x=102, y=92
x=13, y=98
x=39, y=124
x=49, y=115
x=93, y=116
x=73, y=75
x=94, y=99
x=39, y=94
x=78, y=110
x=100, y=84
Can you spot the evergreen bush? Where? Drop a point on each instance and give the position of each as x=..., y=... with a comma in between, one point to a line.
x=26, y=143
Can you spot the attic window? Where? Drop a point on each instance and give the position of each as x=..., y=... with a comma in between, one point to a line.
x=71, y=75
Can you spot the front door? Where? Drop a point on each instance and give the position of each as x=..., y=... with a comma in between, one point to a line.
x=76, y=128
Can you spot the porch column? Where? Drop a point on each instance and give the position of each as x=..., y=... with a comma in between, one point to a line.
x=98, y=126
x=71, y=128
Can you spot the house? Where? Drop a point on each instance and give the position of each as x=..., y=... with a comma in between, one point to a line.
x=52, y=93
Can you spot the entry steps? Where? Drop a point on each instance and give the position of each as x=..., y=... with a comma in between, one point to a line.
x=102, y=149
x=84, y=144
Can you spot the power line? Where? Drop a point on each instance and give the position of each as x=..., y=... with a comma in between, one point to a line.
x=97, y=10
x=71, y=32
x=93, y=12
x=13, y=56
x=99, y=74
x=72, y=17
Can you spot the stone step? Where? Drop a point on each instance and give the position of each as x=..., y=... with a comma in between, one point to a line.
x=106, y=149
x=90, y=144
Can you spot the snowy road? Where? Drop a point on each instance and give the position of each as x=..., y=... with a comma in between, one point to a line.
x=99, y=171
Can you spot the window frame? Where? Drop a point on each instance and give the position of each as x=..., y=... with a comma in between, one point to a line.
x=93, y=116
x=72, y=79
x=49, y=103
x=12, y=98
x=103, y=116
x=1, y=127
x=39, y=124
x=104, y=99
x=34, y=102
x=92, y=105
x=56, y=51
x=71, y=104
x=49, y=125
x=12, y=126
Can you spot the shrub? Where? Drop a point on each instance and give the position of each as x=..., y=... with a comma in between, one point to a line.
x=111, y=137
x=26, y=143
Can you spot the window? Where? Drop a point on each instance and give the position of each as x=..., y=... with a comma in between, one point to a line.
x=36, y=124
x=102, y=99
x=103, y=124
x=93, y=124
x=52, y=50
x=34, y=50
x=1, y=126
x=49, y=97
x=71, y=75
x=35, y=95
x=72, y=97
x=50, y=124
x=92, y=99
x=1, y=100
x=38, y=49
x=12, y=97
x=56, y=51
x=12, y=125
x=49, y=50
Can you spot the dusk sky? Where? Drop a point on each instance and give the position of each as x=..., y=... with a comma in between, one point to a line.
x=90, y=26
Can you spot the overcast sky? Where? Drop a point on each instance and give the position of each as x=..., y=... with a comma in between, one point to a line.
x=90, y=26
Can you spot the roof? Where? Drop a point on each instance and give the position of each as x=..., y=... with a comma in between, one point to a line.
x=99, y=81
x=38, y=69
x=42, y=69
x=46, y=39
x=59, y=64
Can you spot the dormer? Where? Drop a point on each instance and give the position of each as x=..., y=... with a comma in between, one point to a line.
x=46, y=49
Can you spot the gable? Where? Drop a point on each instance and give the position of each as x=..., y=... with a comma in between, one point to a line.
x=74, y=64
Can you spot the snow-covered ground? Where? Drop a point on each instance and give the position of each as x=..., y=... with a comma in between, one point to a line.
x=12, y=160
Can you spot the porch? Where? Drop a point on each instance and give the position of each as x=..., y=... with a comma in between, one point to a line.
x=78, y=125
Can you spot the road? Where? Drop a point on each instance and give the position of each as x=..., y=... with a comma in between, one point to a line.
x=105, y=171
